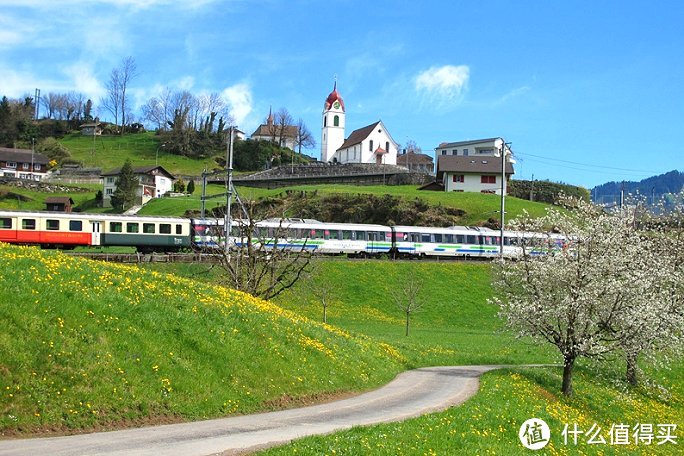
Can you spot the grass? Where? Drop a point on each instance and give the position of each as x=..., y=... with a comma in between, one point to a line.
x=109, y=152
x=92, y=345
x=31, y=200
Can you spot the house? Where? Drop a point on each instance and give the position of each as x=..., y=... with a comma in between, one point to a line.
x=371, y=144
x=416, y=162
x=59, y=203
x=478, y=148
x=23, y=164
x=154, y=182
x=283, y=135
x=91, y=129
x=460, y=173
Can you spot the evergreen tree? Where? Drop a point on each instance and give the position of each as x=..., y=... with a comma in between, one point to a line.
x=191, y=187
x=126, y=186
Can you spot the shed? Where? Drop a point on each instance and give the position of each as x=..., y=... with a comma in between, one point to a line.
x=59, y=203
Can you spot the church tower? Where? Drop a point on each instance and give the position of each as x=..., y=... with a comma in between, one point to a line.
x=333, y=125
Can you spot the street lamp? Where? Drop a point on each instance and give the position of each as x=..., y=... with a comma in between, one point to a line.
x=504, y=146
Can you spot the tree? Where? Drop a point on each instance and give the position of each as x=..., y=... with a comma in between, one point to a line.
x=407, y=299
x=116, y=100
x=304, y=137
x=126, y=187
x=324, y=291
x=53, y=149
x=283, y=122
x=191, y=187
x=254, y=266
x=584, y=298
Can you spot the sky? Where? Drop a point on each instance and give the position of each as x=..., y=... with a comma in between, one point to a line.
x=585, y=91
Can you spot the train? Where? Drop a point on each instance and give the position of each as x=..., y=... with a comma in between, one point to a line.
x=172, y=234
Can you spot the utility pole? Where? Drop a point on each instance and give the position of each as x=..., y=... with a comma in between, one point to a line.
x=503, y=198
x=229, y=189
x=203, y=199
x=532, y=189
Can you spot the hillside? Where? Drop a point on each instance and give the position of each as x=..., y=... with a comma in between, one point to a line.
x=655, y=186
x=93, y=345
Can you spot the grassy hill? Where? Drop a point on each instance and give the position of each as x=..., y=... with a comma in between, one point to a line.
x=108, y=152
x=93, y=345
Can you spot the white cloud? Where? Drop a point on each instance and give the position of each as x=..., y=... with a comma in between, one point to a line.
x=448, y=81
x=83, y=80
x=239, y=98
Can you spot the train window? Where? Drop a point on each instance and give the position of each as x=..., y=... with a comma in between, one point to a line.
x=52, y=225
x=5, y=223
x=75, y=225
x=165, y=228
x=460, y=239
x=438, y=237
x=425, y=237
x=449, y=238
x=148, y=228
x=115, y=227
x=359, y=235
x=132, y=227
x=179, y=228
x=28, y=224
x=470, y=239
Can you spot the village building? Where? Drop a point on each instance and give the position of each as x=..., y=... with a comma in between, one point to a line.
x=59, y=204
x=153, y=182
x=282, y=135
x=371, y=144
x=416, y=162
x=91, y=129
x=23, y=164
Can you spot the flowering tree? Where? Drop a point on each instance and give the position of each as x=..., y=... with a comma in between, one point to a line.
x=602, y=292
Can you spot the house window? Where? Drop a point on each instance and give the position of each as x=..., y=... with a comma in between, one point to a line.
x=25, y=166
x=109, y=191
x=75, y=225
x=12, y=165
x=36, y=166
x=148, y=228
x=5, y=223
x=444, y=152
x=454, y=152
x=336, y=121
x=28, y=224
x=488, y=179
x=115, y=227
x=165, y=228
x=458, y=178
x=110, y=180
x=52, y=225
x=486, y=151
x=465, y=152
x=132, y=228
x=370, y=145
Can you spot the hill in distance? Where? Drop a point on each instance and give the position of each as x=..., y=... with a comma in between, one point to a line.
x=651, y=187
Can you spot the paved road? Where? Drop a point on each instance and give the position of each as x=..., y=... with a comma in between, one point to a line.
x=412, y=393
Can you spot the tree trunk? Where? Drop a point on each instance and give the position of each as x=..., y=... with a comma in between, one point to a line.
x=632, y=369
x=566, y=389
x=407, y=323
x=325, y=314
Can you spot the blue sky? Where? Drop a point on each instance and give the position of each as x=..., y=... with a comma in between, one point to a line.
x=587, y=92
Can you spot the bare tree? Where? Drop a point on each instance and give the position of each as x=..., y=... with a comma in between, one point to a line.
x=283, y=126
x=408, y=299
x=258, y=264
x=116, y=101
x=324, y=291
x=304, y=137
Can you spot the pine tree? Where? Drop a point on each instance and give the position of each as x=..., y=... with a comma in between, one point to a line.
x=126, y=186
x=191, y=187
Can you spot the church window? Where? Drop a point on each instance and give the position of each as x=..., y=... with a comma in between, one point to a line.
x=336, y=121
x=370, y=145
x=325, y=121
x=387, y=146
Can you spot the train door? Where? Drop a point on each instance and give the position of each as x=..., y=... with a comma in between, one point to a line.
x=96, y=228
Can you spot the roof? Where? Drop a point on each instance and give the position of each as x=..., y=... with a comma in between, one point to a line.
x=141, y=170
x=357, y=136
x=58, y=200
x=414, y=158
x=270, y=131
x=478, y=165
x=22, y=155
x=465, y=143
x=333, y=97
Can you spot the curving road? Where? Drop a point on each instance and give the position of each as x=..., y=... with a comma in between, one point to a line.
x=410, y=394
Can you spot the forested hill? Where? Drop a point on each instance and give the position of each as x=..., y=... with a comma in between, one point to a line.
x=671, y=182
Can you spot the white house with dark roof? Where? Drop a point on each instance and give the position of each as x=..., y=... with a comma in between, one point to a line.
x=472, y=173
x=472, y=148
x=370, y=144
x=23, y=164
x=153, y=182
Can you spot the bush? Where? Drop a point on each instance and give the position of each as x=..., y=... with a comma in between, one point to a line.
x=545, y=191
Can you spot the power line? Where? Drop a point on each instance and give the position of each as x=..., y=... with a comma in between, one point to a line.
x=586, y=170
x=640, y=171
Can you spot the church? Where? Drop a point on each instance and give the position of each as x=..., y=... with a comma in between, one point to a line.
x=371, y=144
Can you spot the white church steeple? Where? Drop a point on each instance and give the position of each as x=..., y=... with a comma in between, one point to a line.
x=333, y=125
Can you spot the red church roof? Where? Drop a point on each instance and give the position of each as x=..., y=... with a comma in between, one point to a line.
x=333, y=97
